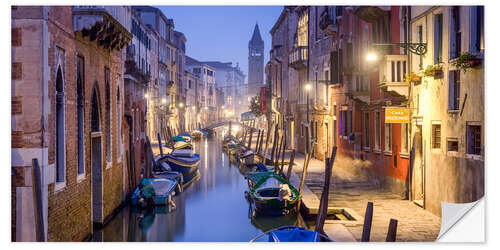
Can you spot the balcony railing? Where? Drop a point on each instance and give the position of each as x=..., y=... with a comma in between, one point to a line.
x=392, y=72
x=298, y=57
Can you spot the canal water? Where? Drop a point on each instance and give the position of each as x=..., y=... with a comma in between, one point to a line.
x=213, y=208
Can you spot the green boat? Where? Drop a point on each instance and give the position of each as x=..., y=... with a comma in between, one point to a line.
x=271, y=194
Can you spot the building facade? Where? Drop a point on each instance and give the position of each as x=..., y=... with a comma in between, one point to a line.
x=207, y=102
x=70, y=120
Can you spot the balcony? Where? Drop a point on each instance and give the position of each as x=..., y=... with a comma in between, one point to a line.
x=371, y=13
x=97, y=23
x=277, y=52
x=392, y=70
x=298, y=57
x=359, y=88
x=327, y=23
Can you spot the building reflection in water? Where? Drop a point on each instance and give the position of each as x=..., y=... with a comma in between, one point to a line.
x=213, y=208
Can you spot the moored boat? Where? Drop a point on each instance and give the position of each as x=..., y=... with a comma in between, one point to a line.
x=154, y=192
x=293, y=234
x=183, y=163
x=271, y=194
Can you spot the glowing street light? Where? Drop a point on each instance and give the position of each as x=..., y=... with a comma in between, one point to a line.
x=308, y=87
x=206, y=108
x=371, y=57
x=164, y=100
x=146, y=95
x=181, y=104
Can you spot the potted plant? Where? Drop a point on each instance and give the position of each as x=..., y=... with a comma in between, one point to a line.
x=466, y=60
x=413, y=77
x=435, y=71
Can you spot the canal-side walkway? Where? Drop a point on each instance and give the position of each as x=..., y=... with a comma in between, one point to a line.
x=353, y=189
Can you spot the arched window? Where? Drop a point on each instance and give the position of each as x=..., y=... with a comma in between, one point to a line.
x=80, y=114
x=119, y=120
x=60, y=150
x=95, y=123
x=107, y=114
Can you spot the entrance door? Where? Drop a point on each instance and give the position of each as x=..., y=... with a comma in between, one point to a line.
x=418, y=168
x=97, y=214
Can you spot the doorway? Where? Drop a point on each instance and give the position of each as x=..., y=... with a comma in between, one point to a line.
x=418, y=171
x=96, y=160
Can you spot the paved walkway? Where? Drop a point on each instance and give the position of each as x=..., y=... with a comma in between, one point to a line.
x=353, y=188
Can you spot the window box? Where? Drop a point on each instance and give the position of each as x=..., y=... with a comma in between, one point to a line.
x=413, y=78
x=435, y=71
x=466, y=61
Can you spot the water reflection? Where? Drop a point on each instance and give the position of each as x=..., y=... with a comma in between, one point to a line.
x=213, y=208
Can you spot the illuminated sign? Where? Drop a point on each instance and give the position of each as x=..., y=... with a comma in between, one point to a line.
x=397, y=115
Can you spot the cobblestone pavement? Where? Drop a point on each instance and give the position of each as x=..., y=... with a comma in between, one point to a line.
x=353, y=189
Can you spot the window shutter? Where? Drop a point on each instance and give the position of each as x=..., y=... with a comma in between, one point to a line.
x=334, y=71
x=451, y=90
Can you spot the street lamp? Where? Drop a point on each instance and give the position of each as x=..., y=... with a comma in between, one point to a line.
x=181, y=104
x=146, y=95
x=371, y=57
x=164, y=100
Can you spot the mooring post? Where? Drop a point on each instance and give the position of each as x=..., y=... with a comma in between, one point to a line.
x=391, y=233
x=283, y=153
x=257, y=143
x=266, y=146
x=276, y=161
x=261, y=141
x=275, y=142
x=159, y=143
x=250, y=138
x=367, y=225
x=304, y=169
x=230, y=127
x=323, y=207
x=36, y=187
x=290, y=165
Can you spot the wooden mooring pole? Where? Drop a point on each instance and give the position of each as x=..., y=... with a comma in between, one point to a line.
x=391, y=233
x=323, y=204
x=304, y=169
x=159, y=144
x=367, y=225
x=290, y=166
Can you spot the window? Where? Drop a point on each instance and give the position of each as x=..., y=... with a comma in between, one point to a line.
x=367, y=130
x=454, y=90
x=302, y=29
x=108, y=114
x=189, y=84
x=119, y=119
x=80, y=114
x=455, y=34
x=452, y=145
x=436, y=135
x=60, y=128
x=473, y=139
x=404, y=137
x=377, y=130
x=349, y=121
x=477, y=33
x=438, y=38
x=388, y=137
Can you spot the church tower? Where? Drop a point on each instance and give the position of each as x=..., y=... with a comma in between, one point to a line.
x=255, y=59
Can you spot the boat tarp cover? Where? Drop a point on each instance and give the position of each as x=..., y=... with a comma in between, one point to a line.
x=295, y=235
x=270, y=180
x=162, y=186
x=178, y=138
x=183, y=152
x=247, y=116
x=184, y=134
x=187, y=160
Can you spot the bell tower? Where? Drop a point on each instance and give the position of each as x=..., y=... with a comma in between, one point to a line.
x=255, y=59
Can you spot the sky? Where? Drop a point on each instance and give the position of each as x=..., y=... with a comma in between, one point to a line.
x=221, y=33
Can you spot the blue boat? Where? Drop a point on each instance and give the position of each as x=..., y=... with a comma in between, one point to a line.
x=154, y=192
x=293, y=234
x=182, y=164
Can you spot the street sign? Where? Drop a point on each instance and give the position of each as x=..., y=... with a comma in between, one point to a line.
x=397, y=115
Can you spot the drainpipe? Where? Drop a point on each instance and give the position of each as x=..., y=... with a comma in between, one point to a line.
x=130, y=123
x=43, y=164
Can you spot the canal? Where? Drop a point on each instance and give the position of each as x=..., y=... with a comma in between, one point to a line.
x=213, y=208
